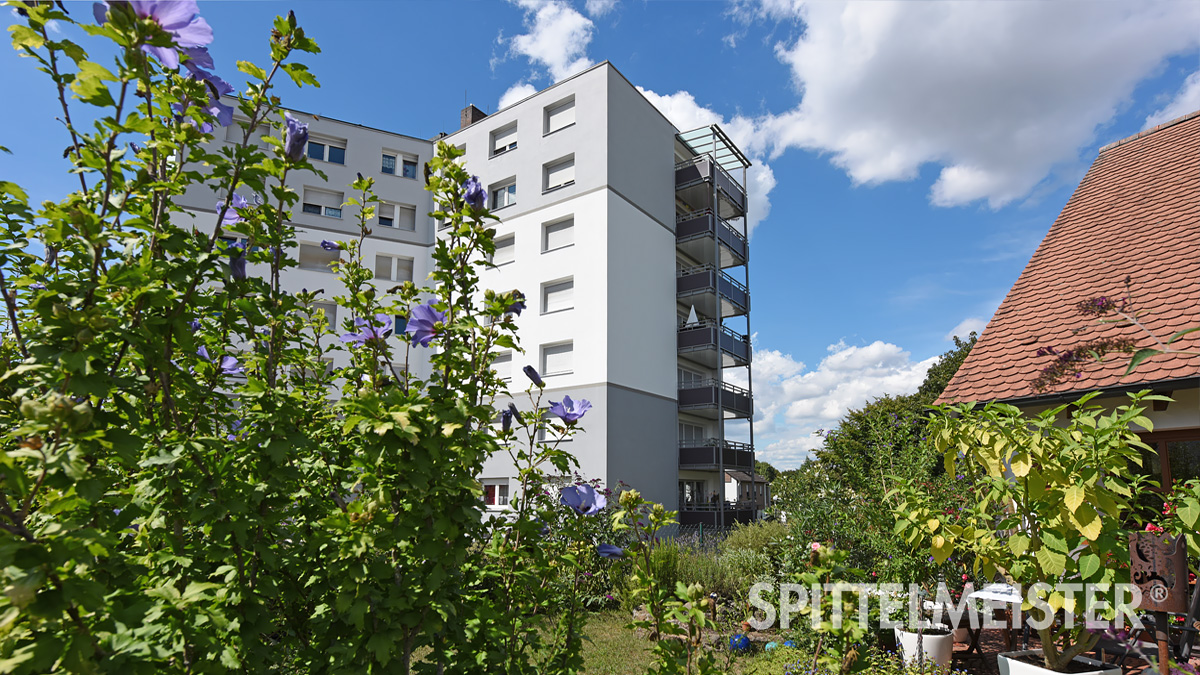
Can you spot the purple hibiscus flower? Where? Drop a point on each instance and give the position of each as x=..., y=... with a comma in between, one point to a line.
x=474, y=194
x=180, y=18
x=296, y=139
x=330, y=245
x=237, y=260
x=609, y=551
x=424, y=322
x=217, y=87
x=228, y=366
x=518, y=303
x=583, y=499
x=512, y=408
x=570, y=411
x=194, y=325
x=533, y=376
x=376, y=328
x=231, y=366
x=231, y=216
x=506, y=418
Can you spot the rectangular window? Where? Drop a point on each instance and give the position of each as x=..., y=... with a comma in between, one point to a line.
x=505, y=250
x=389, y=164
x=560, y=115
x=690, y=432
x=386, y=213
x=558, y=296
x=558, y=359
x=504, y=140
x=393, y=268
x=495, y=492
x=504, y=194
x=331, y=151
x=502, y=364
x=689, y=377
x=406, y=217
x=313, y=257
x=558, y=235
x=323, y=201
x=330, y=311
x=409, y=168
x=559, y=174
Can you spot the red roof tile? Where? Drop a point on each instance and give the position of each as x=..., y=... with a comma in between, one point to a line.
x=1136, y=214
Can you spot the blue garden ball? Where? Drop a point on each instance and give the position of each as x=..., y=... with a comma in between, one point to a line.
x=770, y=646
x=790, y=643
x=739, y=643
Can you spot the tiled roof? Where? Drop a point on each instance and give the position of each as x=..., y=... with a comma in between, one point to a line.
x=1136, y=214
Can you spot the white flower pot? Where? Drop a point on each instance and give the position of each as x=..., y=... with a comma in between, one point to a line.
x=1009, y=665
x=937, y=648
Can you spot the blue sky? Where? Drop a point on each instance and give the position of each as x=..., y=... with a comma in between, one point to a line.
x=912, y=154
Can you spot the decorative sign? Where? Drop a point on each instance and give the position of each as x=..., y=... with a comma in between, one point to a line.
x=1158, y=564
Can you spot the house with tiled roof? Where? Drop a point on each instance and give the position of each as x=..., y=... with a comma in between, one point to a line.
x=1129, y=239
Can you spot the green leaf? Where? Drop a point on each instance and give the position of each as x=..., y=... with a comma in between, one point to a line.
x=1089, y=565
x=24, y=37
x=1139, y=356
x=89, y=84
x=1182, y=333
x=1189, y=512
x=252, y=70
x=1018, y=544
x=1073, y=497
x=1052, y=563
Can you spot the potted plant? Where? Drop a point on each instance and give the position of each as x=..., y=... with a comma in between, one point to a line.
x=925, y=642
x=1048, y=499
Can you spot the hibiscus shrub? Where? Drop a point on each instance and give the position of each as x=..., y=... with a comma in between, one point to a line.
x=184, y=487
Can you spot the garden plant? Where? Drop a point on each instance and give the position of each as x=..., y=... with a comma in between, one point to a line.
x=184, y=486
x=1051, y=499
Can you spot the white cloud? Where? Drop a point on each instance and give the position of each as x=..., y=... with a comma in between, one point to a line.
x=515, y=93
x=600, y=7
x=996, y=93
x=1186, y=100
x=969, y=325
x=686, y=114
x=792, y=402
x=558, y=37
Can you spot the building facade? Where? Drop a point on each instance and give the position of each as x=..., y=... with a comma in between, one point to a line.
x=628, y=239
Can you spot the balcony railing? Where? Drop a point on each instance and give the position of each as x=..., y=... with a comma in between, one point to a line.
x=712, y=454
x=697, y=231
x=701, y=342
x=711, y=517
x=713, y=399
x=704, y=280
x=702, y=169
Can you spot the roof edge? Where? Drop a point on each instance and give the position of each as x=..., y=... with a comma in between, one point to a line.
x=1105, y=392
x=1147, y=132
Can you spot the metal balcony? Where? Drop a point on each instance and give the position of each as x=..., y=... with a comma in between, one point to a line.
x=710, y=289
x=712, y=453
x=697, y=233
x=713, y=345
x=715, y=400
x=709, y=516
x=695, y=179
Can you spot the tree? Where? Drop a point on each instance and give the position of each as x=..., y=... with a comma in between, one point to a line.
x=765, y=470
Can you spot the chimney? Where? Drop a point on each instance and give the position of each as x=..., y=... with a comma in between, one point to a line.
x=470, y=115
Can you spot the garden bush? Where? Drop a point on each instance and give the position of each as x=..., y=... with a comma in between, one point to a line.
x=185, y=488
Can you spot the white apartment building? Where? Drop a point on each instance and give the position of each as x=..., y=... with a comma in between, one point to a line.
x=402, y=234
x=628, y=239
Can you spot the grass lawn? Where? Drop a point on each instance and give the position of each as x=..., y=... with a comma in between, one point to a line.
x=612, y=649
